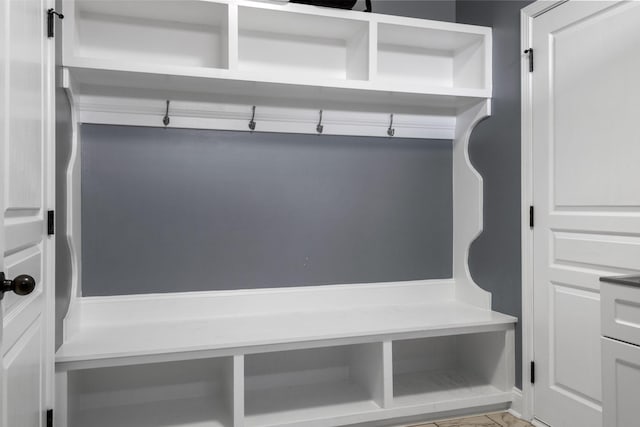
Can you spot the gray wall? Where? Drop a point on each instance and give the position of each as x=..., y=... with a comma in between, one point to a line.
x=439, y=10
x=495, y=151
x=401, y=246
x=186, y=210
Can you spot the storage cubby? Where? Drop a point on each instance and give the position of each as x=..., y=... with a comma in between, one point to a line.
x=451, y=368
x=431, y=58
x=287, y=45
x=167, y=33
x=195, y=393
x=311, y=384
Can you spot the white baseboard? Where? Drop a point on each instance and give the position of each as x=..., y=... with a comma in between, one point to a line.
x=516, y=404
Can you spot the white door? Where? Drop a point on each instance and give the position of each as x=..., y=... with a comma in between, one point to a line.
x=586, y=192
x=25, y=136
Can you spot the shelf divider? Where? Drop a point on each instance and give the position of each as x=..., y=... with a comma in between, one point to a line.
x=236, y=389
x=233, y=34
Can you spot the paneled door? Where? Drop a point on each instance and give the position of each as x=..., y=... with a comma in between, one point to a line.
x=26, y=258
x=586, y=193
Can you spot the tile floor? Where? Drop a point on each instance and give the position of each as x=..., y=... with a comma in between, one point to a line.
x=502, y=419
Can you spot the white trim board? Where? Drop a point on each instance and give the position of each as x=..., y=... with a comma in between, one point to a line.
x=236, y=117
x=527, y=15
x=268, y=119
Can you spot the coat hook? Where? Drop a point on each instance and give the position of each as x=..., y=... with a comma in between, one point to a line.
x=51, y=14
x=166, y=119
x=252, y=122
x=391, y=131
x=320, y=128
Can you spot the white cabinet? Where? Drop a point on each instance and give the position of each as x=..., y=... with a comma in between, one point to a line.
x=620, y=383
x=620, y=350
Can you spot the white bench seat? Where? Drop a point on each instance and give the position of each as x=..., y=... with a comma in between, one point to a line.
x=113, y=344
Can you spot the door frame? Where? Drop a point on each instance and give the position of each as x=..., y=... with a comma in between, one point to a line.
x=527, y=16
x=49, y=202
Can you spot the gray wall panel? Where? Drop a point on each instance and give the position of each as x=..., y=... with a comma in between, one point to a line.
x=439, y=10
x=186, y=210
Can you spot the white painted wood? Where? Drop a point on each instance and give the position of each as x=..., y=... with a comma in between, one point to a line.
x=586, y=209
x=387, y=373
x=187, y=33
x=621, y=376
x=236, y=391
x=109, y=343
x=26, y=153
x=620, y=312
x=367, y=369
x=427, y=57
x=184, y=393
x=276, y=43
x=527, y=17
x=468, y=365
x=248, y=52
x=516, y=408
x=73, y=207
x=279, y=366
x=304, y=385
x=467, y=206
x=490, y=356
x=61, y=407
x=207, y=115
x=128, y=309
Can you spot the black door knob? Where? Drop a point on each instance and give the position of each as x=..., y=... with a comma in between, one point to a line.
x=21, y=285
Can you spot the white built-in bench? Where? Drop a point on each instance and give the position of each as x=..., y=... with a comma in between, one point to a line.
x=324, y=356
x=313, y=357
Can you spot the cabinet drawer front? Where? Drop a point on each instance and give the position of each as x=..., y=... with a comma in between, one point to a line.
x=621, y=312
x=621, y=383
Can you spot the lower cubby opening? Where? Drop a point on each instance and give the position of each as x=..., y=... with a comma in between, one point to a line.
x=459, y=368
x=311, y=384
x=194, y=393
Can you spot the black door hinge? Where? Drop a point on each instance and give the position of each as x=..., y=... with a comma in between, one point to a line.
x=51, y=223
x=531, y=217
x=51, y=14
x=49, y=417
x=533, y=372
x=530, y=53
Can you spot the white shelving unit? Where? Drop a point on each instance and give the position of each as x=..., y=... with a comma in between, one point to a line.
x=308, y=357
x=274, y=54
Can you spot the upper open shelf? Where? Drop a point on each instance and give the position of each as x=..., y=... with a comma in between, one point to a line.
x=249, y=50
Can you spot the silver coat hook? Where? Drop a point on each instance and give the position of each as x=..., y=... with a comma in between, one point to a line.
x=320, y=128
x=391, y=131
x=252, y=122
x=166, y=119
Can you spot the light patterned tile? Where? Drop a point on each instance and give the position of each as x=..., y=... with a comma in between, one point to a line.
x=481, y=421
x=505, y=419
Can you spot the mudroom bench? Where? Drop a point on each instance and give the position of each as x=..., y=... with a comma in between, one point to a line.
x=319, y=356
x=244, y=359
